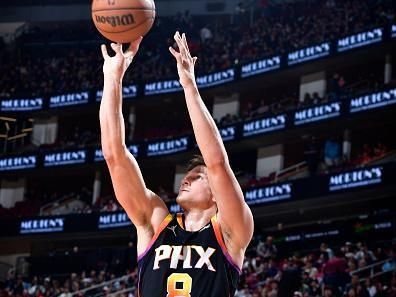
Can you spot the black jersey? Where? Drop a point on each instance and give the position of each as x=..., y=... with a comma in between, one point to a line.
x=182, y=263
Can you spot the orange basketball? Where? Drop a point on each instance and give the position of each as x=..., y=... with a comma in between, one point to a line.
x=123, y=21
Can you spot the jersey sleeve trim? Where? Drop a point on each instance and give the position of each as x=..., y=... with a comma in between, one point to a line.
x=220, y=240
x=161, y=227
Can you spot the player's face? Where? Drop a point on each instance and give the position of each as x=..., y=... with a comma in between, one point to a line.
x=194, y=189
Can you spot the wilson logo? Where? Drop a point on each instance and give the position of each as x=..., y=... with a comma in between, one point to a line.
x=122, y=20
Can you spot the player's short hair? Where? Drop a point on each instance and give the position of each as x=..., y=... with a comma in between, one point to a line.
x=197, y=160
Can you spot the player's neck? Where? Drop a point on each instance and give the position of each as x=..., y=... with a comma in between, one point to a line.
x=196, y=219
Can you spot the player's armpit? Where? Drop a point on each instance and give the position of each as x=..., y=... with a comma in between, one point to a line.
x=139, y=203
x=234, y=216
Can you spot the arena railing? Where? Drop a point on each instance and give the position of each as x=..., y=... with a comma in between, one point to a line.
x=290, y=171
x=387, y=157
x=4, y=269
x=121, y=292
x=109, y=284
x=375, y=269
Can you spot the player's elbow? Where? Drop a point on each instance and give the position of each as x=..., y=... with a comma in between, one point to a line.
x=107, y=155
x=216, y=157
x=112, y=153
x=216, y=163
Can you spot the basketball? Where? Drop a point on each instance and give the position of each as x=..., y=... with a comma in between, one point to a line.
x=123, y=21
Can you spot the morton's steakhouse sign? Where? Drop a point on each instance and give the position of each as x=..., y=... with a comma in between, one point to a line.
x=372, y=101
x=309, y=53
x=65, y=158
x=356, y=178
x=359, y=39
x=264, y=125
x=269, y=194
x=17, y=163
x=317, y=113
x=45, y=225
x=15, y=105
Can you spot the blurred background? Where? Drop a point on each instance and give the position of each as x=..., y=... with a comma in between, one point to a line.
x=304, y=95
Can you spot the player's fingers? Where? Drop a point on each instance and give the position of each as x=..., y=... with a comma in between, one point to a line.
x=116, y=47
x=134, y=47
x=180, y=44
x=175, y=54
x=186, y=50
x=184, y=39
x=104, y=51
x=176, y=37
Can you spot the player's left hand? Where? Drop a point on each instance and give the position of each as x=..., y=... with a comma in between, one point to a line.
x=185, y=63
x=115, y=66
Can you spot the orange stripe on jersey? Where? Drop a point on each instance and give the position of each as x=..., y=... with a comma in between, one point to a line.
x=180, y=220
x=161, y=227
x=220, y=240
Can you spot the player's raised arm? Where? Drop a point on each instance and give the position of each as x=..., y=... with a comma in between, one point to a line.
x=234, y=215
x=144, y=208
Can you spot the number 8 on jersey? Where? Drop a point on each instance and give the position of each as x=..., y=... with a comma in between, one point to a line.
x=182, y=278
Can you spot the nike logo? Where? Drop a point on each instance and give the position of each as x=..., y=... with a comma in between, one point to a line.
x=173, y=229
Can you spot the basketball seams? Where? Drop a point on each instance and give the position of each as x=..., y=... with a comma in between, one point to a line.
x=145, y=20
x=124, y=8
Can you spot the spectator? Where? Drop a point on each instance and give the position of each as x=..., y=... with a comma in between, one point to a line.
x=290, y=280
x=311, y=270
x=348, y=250
x=267, y=249
x=332, y=152
x=311, y=154
x=262, y=108
x=334, y=271
x=314, y=289
x=336, y=87
x=366, y=155
x=163, y=194
x=326, y=251
x=307, y=99
x=206, y=35
x=371, y=288
x=328, y=292
x=382, y=291
x=364, y=253
x=379, y=149
x=273, y=289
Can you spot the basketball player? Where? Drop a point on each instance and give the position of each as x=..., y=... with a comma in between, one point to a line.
x=198, y=253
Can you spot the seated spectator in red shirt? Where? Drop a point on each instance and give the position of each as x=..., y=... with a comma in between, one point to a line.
x=367, y=154
x=379, y=149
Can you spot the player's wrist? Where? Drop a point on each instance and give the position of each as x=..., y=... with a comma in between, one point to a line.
x=188, y=84
x=112, y=78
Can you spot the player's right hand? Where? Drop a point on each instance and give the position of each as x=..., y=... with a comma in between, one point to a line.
x=185, y=62
x=114, y=67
